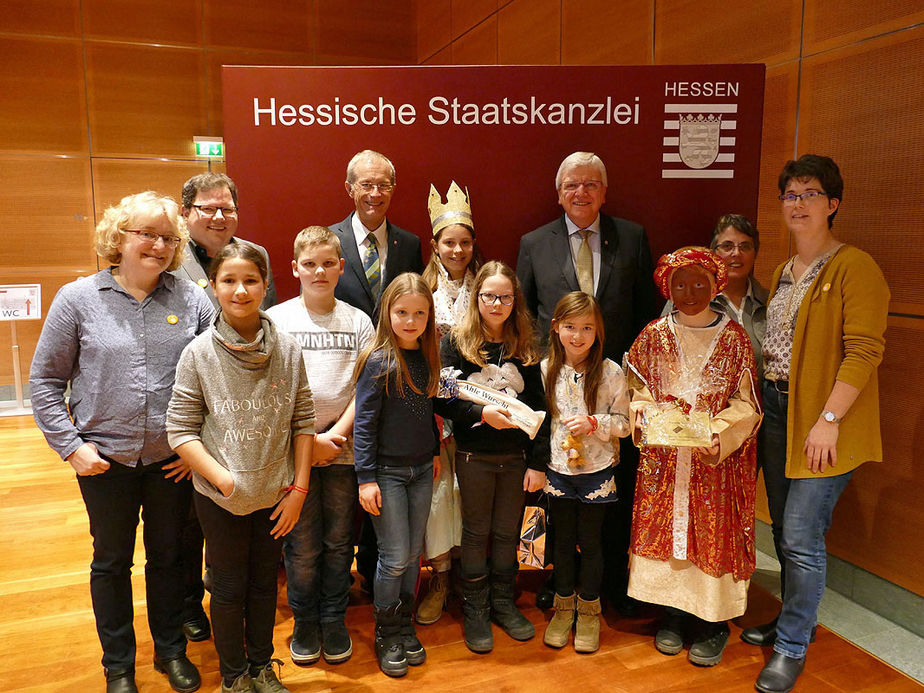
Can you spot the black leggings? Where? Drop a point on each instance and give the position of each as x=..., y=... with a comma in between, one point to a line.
x=577, y=524
x=492, y=493
x=243, y=561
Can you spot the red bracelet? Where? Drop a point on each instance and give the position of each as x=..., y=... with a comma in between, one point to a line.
x=293, y=487
x=593, y=423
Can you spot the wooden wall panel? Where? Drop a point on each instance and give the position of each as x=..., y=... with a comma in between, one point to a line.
x=878, y=524
x=529, y=33
x=28, y=331
x=276, y=25
x=833, y=23
x=359, y=33
x=46, y=213
x=433, y=27
x=441, y=57
x=42, y=17
x=714, y=31
x=467, y=13
x=862, y=105
x=478, y=46
x=215, y=59
x=144, y=21
x=777, y=145
x=43, y=104
x=113, y=179
x=601, y=32
x=145, y=101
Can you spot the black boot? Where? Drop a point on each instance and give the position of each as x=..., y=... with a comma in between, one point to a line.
x=779, y=674
x=413, y=650
x=669, y=638
x=710, y=642
x=504, y=611
x=388, y=646
x=764, y=635
x=477, y=611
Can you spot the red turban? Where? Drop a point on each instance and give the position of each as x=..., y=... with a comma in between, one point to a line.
x=684, y=257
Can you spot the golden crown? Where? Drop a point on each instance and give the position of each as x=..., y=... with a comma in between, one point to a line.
x=455, y=211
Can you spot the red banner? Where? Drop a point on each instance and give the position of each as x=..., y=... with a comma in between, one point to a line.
x=681, y=145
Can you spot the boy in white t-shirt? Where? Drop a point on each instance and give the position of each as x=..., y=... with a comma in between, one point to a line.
x=319, y=550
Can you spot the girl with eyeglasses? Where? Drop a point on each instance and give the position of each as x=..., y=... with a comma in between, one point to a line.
x=497, y=463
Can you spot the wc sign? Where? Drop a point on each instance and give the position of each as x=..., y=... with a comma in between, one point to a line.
x=20, y=302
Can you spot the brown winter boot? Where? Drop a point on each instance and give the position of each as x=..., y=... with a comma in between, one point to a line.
x=587, y=632
x=431, y=606
x=558, y=631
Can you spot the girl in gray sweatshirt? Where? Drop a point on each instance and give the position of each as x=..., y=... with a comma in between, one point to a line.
x=242, y=420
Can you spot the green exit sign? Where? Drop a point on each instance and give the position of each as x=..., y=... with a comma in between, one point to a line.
x=211, y=147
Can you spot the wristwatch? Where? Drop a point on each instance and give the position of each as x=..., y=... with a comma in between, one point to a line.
x=830, y=416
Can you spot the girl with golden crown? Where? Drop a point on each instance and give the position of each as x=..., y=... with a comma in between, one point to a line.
x=454, y=260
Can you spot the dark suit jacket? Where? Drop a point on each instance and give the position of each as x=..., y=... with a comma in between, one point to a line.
x=625, y=291
x=403, y=256
x=192, y=270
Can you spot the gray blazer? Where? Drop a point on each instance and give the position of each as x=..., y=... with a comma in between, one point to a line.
x=192, y=270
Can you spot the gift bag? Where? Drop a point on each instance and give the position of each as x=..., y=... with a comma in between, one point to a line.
x=531, y=550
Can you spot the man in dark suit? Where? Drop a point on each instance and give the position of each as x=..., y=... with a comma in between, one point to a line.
x=609, y=258
x=621, y=274
x=367, y=237
x=376, y=251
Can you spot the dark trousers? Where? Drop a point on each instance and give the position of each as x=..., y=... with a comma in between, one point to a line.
x=319, y=549
x=113, y=500
x=191, y=557
x=617, y=524
x=243, y=562
x=492, y=493
x=578, y=523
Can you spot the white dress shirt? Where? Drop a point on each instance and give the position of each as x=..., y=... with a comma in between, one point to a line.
x=361, y=233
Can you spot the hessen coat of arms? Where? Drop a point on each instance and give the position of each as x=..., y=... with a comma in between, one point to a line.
x=699, y=139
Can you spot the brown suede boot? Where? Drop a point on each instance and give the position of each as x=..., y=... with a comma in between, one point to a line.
x=431, y=606
x=587, y=632
x=559, y=629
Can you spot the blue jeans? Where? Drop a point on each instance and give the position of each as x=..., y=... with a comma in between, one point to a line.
x=113, y=500
x=319, y=550
x=400, y=527
x=800, y=510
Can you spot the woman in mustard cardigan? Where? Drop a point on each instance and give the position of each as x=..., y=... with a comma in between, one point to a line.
x=826, y=323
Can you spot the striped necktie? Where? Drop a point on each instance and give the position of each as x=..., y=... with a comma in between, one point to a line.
x=585, y=264
x=372, y=267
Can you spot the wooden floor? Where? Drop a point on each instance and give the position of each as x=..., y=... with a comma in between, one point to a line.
x=48, y=640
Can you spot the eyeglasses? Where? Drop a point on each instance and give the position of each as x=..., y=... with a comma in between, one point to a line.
x=491, y=299
x=729, y=247
x=589, y=185
x=210, y=211
x=810, y=196
x=150, y=237
x=381, y=187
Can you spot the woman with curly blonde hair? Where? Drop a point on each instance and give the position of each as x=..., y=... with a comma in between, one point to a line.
x=115, y=338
